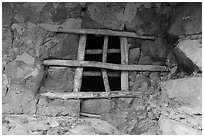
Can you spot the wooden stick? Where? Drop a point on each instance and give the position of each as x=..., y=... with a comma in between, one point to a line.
x=124, y=60
x=90, y=115
x=92, y=95
x=104, y=32
x=104, y=59
x=99, y=51
x=80, y=57
x=96, y=73
x=75, y=63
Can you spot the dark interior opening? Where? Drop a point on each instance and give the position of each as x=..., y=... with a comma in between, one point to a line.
x=115, y=83
x=114, y=42
x=92, y=84
x=92, y=69
x=94, y=42
x=114, y=58
x=93, y=57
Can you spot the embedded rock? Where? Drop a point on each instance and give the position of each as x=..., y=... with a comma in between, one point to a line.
x=181, y=106
x=59, y=78
x=145, y=60
x=17, y=100
x=6, y=14
x=96, y=106
x=103, y=14
x=172, y=127
x=187, y=90
x=134, y=55
x=187, y=19
x=58, y=107
x=193, y=51
x=25, y=72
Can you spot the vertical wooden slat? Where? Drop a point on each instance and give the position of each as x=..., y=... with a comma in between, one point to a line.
x=80, y=57
x=124, y=60
x=104, y=59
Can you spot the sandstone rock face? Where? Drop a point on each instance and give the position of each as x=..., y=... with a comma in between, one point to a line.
x=58, y=107
x=96, y=106
x=172, y=127
x=187, y=19
x=104, y=14
x=134, y=55
x=181, y=106
x=64, y=125
x=27, y=42
x=142, y=18
x=193, y=50
x=188, y=90
x=17, y=100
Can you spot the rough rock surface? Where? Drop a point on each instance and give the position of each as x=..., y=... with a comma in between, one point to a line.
x=27, y=41
x=96, y=106
x=58, y=107
x=41, y=125
x=59, y=78
x=181, y=107
x=193, y=50
x=187, y=19
x=103, y=13
x=18, y=100
x=134, y=55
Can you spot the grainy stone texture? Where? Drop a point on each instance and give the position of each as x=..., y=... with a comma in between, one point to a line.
x=187, y=19
x=64, y=125
x=181, y=106
x=96, y=106
x=193, y=50
x=26, y=44
x=58, y=107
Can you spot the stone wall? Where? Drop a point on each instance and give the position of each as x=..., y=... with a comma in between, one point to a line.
x=27, y=40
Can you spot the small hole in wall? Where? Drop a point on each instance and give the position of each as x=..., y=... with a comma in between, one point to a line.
x=114, y=58
x=93, y=57
x=114, y=42
x=92, y=84
x=94, y=42
x=114, y=83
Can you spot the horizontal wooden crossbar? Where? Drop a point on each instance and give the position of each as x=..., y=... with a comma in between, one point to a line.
x=96, y=73
x=103, y=32
x=98, y=51
x=75, y=63
x=89, y=95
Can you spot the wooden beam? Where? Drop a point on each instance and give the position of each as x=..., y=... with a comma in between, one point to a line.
x=80, y=57
x=104, y=59
x=103, y=32
x=99, y=51
x=75, y=63
x=90, y=115
x=96, y=73
x=124, y=60
x=91, y=95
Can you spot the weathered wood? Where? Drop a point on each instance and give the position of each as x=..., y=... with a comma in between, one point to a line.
x=80, y=57
x=75, y=63
x=104, y=32
x=99, y=51
x=104, y=59
x=90, y=95
x=90, y=115
x=124, y=60
x=96, y=73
